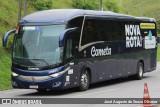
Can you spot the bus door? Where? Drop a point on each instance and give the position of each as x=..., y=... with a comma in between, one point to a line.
x=71, y=78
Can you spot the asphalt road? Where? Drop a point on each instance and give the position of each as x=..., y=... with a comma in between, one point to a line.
x=119, y=88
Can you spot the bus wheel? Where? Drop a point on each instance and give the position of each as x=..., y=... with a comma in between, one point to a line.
x=140, y=71
x=84, y=81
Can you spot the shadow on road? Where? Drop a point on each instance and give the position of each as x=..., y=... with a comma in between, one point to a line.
x=76, y=90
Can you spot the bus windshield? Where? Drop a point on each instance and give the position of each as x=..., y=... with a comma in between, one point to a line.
x=38, y=46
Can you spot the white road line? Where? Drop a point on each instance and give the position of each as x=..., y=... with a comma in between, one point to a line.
x=96, y=92
x=15, y=91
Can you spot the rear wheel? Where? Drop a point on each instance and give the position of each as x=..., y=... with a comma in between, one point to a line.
x=84, y=81
x=140, y=71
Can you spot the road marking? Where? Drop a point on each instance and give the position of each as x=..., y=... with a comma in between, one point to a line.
x=96, y=92
x=15, y=91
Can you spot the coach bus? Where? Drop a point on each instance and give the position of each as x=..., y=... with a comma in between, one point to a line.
x=64, y=48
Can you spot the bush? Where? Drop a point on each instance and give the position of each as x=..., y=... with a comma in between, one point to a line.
x=41, y=4
x=112, y=6
x=158, y=26
x=85, y=4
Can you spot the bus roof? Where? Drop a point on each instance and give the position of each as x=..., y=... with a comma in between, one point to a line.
x=64, y=15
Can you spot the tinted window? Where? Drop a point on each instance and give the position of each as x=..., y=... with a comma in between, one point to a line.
x=102, y=29
x=69, y=48
x=76, y=22
x=89, y=31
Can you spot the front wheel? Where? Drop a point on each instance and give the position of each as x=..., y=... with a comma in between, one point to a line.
x=84, y=81
x=140, y=71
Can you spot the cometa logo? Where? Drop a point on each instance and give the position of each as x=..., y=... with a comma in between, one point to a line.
x=133, y=36
x=30, y=68
x=100, y=52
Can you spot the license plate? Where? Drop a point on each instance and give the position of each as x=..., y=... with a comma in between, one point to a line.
x=33, y=86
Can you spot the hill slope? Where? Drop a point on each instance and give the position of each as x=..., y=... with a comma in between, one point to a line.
x=150, y=8
x=147, y=8
x=8, y=21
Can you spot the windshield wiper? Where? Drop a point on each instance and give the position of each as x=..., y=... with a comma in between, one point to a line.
x=43, y=61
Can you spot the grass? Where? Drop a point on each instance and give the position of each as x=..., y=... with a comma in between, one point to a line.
x=148, y=8
x=7, y=14
x=158, y=53
x=62, y=4
x=8, y=21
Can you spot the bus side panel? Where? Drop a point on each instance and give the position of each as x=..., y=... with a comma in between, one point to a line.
x=149, y=49
x=124, y=40
x=150, y=60
x=140, y=45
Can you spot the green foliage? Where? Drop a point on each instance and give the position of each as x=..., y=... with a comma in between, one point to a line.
x=112, y=6
x=158, y=53
x=85, y=4
x=158, y=26
x=8, y=21
x=144, y=8
x=8, y=18
x=41, y=4
x=61, y=4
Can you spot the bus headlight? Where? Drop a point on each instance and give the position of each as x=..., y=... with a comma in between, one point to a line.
x=59, y=73
x=15, y=74
x=55, y=75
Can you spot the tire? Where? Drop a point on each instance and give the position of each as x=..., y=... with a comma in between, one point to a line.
x=140, y=71
x=84, y=80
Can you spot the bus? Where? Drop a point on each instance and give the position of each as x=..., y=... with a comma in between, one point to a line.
x=65, y=48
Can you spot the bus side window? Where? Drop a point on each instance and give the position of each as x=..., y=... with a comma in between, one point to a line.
x=88, y=32
x=68, y=48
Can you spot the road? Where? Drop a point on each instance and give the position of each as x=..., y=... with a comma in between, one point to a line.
x=119, y=88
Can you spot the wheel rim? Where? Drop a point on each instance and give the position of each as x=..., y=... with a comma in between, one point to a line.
x=84, y=80
x=140, y=71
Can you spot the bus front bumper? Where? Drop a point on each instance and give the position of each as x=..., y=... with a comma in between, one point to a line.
x=32, y=82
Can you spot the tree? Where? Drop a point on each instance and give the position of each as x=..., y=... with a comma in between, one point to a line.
x=41, y=4
x=85, y=4
x=112, y=6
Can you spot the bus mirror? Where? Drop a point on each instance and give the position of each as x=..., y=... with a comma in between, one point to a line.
x=5, y=37
x=64, y=34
